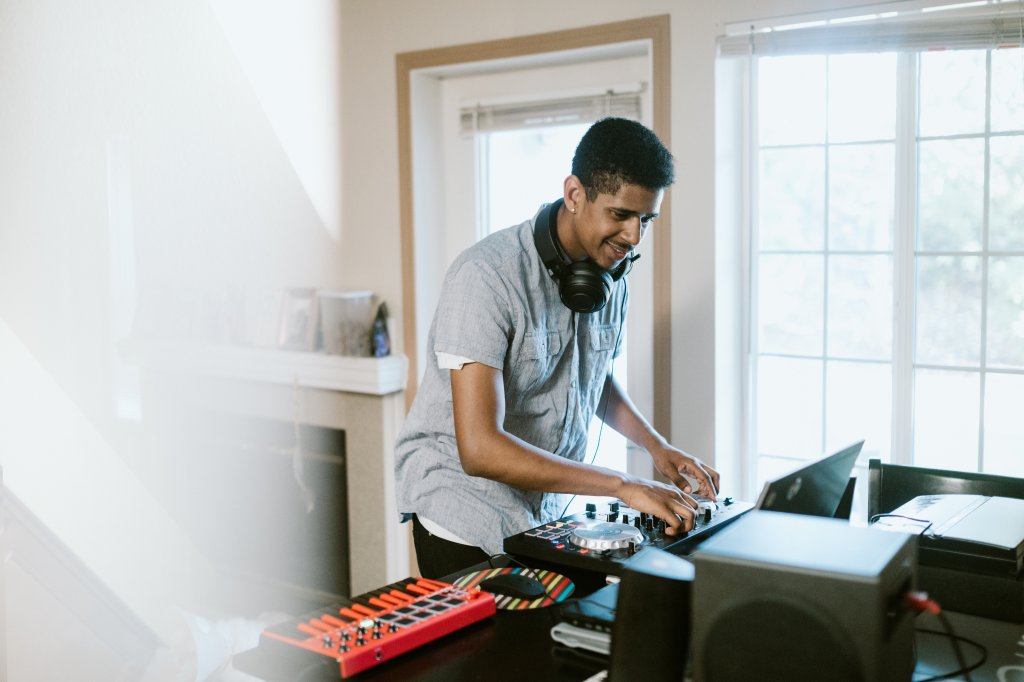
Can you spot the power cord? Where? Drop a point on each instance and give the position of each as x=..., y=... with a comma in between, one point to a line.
x=920, y=602
x=926, y=522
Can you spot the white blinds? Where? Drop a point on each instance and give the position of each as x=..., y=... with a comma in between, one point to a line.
x=890, y=27
x=563, y=111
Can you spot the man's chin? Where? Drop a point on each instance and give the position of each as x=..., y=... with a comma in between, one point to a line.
x=616, y=264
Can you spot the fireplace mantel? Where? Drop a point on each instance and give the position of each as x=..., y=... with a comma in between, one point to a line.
x=372, y=376
x=364, y=397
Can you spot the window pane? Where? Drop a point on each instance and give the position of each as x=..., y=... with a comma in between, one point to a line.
x=859, y=405
x=791, y=295
x=791, y=206
x=860, y=307
x=1006, y=191
x=862, y=97
x=789, y=407
x=534, y=161
x=1004, y=429
x=952, y=92
x=861, y=190
x=1006, y=312
x=946, y=419
x=948, y=310
x=791, y=100
x=769, y=467
x=951, y=195
x=1007, y=93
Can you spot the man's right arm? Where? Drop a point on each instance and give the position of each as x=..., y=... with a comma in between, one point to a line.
x=488, y=451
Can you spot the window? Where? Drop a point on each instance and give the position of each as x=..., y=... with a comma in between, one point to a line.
x=522, y=167
x=886, y=245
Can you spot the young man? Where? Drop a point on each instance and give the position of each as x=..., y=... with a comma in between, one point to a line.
x=519, y=360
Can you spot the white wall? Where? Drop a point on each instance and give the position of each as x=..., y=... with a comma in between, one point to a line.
x=375, y=31
x=221, y=208
x=197, y=141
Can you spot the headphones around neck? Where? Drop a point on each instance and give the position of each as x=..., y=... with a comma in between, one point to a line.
x=583, y=286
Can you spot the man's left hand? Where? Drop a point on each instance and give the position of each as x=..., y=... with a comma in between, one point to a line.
x=678, y=466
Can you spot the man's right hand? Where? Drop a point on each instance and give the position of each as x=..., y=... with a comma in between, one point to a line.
x=667, y=502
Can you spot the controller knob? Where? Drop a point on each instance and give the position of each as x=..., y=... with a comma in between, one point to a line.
x=606, y=536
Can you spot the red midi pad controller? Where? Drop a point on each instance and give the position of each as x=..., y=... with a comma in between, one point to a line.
x=378, y=625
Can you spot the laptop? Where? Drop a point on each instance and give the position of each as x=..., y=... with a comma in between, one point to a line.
x=817, y=489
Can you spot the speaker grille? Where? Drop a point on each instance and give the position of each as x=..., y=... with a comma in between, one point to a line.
x=773, y=638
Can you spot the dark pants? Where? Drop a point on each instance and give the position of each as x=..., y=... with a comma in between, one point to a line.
x=438, y=557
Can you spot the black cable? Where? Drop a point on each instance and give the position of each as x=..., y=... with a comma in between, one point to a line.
x=609, y=378
x=928, y=524
x=955, y=639
x=512, y=559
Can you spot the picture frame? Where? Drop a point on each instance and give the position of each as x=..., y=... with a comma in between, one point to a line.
x=299, y=319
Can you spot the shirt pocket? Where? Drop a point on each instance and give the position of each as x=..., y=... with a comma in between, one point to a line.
x=536, y=363
x=540, y=345
x=602, y=338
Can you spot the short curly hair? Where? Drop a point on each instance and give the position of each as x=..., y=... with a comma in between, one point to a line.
x=618, y=151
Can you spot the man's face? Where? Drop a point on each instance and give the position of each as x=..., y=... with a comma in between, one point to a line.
x=608, y=228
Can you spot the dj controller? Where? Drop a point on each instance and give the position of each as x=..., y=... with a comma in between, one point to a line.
x=600, y=541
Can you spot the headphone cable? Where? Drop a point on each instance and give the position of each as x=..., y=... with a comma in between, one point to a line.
x=609, y=378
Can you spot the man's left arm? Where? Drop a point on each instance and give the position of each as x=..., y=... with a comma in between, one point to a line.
x=622, y=415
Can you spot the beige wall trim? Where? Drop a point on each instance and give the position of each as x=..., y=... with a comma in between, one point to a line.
x=657, y=30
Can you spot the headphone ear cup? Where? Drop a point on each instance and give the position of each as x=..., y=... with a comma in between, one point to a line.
x=584, y=287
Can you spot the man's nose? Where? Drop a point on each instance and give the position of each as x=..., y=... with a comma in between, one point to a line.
x=634, y=230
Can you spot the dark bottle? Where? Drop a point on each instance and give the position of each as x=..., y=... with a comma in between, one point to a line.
x=381, y=342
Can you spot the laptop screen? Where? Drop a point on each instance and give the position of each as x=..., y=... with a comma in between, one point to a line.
x=815, y=489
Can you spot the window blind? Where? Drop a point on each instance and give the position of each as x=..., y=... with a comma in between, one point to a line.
x=484, y=117
x=882, y=28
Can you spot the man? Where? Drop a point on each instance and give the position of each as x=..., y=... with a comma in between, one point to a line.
x=519, y=360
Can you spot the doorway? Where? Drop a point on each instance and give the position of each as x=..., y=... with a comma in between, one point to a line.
x=442, y=211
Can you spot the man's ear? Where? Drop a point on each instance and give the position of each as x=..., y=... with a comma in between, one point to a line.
x=573, y=193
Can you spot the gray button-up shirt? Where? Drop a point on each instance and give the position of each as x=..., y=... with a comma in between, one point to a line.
x=499, y=306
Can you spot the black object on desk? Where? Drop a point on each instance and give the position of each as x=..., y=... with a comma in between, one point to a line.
x=651, y=634
x=983, y=581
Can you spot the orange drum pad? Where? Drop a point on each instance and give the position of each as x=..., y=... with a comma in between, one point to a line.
x=556, y=586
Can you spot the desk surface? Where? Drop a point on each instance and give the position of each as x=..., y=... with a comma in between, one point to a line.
x=517, y=646
x=513, y=645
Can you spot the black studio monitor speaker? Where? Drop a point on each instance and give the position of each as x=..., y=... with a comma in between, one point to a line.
x=651, y=634
x=799, y=598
